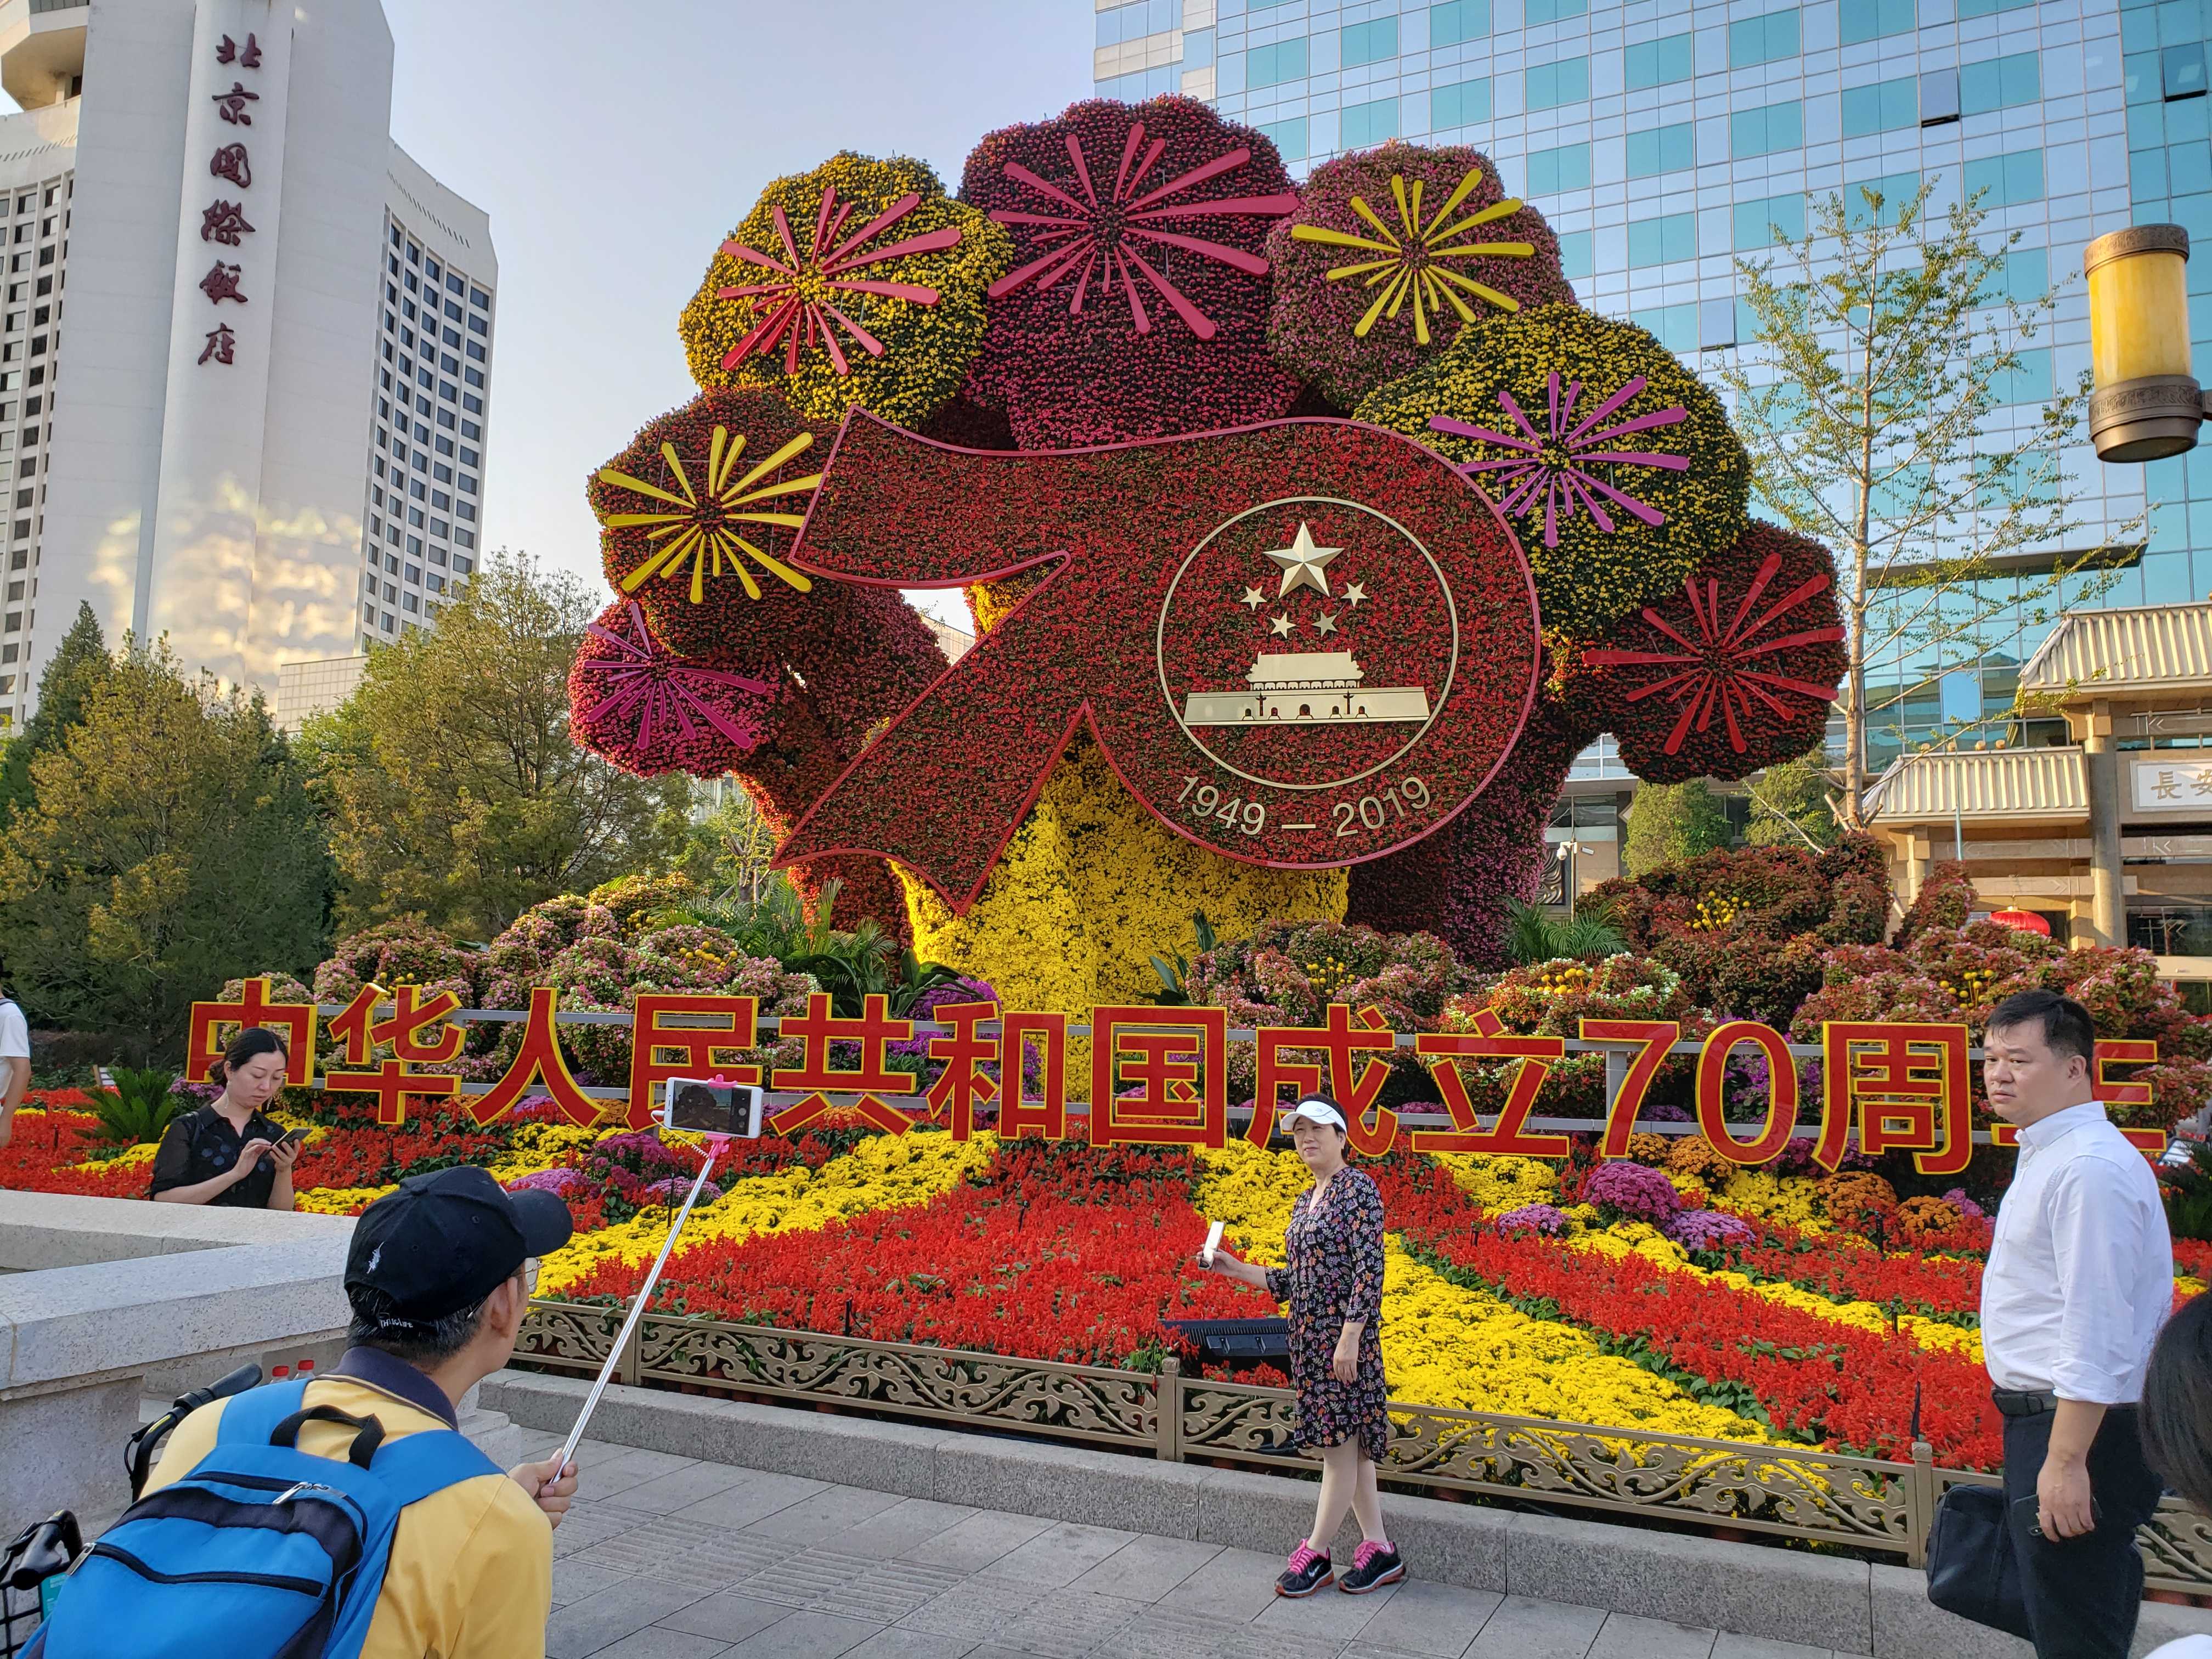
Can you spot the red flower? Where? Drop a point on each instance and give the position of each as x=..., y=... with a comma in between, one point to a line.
x=1137, y=302
x=1734, y=672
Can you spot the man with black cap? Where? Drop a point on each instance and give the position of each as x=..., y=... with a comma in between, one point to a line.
x=439, y=1276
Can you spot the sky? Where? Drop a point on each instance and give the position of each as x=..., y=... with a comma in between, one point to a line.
x=615, y=145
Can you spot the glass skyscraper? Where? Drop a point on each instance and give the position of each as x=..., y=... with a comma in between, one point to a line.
x=1662, y=138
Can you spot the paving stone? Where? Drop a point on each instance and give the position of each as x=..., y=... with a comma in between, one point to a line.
x=896, y=1644
x=726, y=1617
x=1144, y=1569
x=602, y=1471
x=1437, y=1621
x=822, y=1514
x=585, y=1525
x=804, y=1635
x=970, y=1545
x=1329, y=1612
x=1238, y=1585
x=1059, y=1555
x=752, y=1496
x=830, y=1582
x=1162, y=1632
x=664, y=1494
x=901, y=1530
x=656, y=1641
x=1526, y=1629
x=1731, y=1646
x=574, y=1580
x=977, y=1609
x=1067, y=1624
x=582, y=1628
x=1625, y=1635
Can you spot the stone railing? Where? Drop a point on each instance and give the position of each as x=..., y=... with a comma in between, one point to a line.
x=1788, y=1491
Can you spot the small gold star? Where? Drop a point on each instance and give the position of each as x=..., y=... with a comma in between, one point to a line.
x=1282, y=625
x=1354, y=593
x=1253, y=597
x=1326, y=624
x=1302, y=563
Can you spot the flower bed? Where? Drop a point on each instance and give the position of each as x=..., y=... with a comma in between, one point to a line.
x=1671, y=1293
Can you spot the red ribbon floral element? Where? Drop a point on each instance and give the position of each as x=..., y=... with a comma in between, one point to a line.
x=1552, y=466
x=641, y=705
x=1740, y=670
x=1301, y=644
x=801, y=311
x=1076, y=237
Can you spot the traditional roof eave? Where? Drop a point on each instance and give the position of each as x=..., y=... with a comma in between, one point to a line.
x=2138, y=649
x=2002, y=785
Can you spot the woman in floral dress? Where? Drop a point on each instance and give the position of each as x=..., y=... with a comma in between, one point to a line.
x=1334, y=1286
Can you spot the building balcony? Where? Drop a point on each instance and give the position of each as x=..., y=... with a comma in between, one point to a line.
x=42, y=50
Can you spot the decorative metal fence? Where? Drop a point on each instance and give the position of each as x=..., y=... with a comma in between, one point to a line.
x=1788, y=1492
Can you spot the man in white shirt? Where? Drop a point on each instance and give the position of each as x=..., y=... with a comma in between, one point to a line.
x=2079, y=1278
x=15, y=1064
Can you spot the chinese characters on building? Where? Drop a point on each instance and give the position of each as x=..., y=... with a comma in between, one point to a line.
x=223, y=222
x=2172, y=783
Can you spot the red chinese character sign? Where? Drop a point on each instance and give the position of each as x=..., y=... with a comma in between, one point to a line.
x=1300, y=645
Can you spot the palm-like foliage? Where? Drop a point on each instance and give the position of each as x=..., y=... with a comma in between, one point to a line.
x=137, y=1109
x=1535, y=935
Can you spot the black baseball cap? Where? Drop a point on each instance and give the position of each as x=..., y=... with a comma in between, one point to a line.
x=446, y=1240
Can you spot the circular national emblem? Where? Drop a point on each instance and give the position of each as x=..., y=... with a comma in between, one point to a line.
x=1307, y=643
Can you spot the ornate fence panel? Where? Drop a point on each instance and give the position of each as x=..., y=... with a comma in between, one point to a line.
x=1787, y=1491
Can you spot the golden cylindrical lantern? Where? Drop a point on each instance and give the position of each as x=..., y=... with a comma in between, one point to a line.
x=2146, y=404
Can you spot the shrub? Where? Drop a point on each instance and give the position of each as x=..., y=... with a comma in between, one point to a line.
x=137, y=1109
x=1631, y=1192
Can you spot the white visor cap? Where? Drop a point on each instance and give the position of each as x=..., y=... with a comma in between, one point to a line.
x=1315, y=1111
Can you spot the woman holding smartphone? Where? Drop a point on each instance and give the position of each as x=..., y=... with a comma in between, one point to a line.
x=1333, y=1283
x=227, y=1152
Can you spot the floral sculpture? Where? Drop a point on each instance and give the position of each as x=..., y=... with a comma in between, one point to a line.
x=1305, y=671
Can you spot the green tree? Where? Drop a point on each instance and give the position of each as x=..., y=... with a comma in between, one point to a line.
x=1885, y=344
x=170, y=845
x=1670, y=821
x=454, y=789
x=728, y=847
x=1789, y=803
x=78, y=663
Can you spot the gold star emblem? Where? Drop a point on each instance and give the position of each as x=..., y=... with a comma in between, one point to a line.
x=1302, y=563
x=1354, y=593
x=1282, y=625
x=1326, y=624
x=1253, y=597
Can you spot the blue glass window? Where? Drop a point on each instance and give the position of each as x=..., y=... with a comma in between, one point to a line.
x=1661, y=149
x=1658, y=62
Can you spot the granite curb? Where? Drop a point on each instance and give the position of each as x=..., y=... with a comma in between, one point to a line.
x=1752, y=1590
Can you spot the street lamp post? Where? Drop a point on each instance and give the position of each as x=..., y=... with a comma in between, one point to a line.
x=2146, y=404
x=1566, y=855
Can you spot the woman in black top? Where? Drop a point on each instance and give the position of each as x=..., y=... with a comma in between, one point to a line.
x=1334, y=1286
x=227, y=1152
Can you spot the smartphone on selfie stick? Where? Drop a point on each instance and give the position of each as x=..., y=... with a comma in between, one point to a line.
x=722, y=1111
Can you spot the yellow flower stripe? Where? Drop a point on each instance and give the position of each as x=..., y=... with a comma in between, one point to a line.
x=886, y=1172
x=1446, y=1345
x=2185, y=1286
x=129, y=1158
x=340, y=1200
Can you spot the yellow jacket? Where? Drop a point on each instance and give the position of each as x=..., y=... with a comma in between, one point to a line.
x=470, y=1575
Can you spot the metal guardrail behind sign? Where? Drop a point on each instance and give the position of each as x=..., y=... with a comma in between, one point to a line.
x=1784, y=1491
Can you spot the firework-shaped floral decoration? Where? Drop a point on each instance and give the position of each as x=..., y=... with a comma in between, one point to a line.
x=1559, y=461
x=1733, y=671
x=858, y=283
x=1135, y=304
x=1616, y=463
x=634, y=700
x=1391, y=253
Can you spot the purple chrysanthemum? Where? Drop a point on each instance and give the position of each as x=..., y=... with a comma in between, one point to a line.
x=1633, y=1192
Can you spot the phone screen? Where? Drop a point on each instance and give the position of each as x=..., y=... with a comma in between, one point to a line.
x=712, y=1108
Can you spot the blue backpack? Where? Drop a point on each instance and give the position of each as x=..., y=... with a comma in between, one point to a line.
x=261, y=1552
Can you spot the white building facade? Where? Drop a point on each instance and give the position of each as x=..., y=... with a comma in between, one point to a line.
x=223, y=195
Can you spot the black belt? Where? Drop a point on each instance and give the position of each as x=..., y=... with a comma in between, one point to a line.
x=2034, y=1402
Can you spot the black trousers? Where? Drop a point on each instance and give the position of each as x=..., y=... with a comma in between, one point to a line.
x=2083, y=1594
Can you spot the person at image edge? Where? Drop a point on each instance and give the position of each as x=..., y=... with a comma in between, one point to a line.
x=1333, y=1281
x=2079, y=1278
x=439, y=1276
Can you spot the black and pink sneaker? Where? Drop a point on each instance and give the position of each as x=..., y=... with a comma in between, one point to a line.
x=1308, y=1571
x=1373, y=1565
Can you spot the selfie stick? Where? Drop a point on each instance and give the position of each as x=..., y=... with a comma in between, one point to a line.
x=636, y=1313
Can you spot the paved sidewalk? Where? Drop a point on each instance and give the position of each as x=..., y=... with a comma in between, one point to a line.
x=669, y=1558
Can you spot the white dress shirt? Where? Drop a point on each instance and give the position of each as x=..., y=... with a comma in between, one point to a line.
x=2080, y=1272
